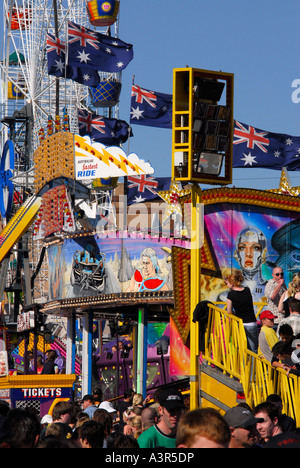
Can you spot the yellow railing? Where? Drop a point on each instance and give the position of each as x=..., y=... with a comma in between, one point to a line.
x=226, y=348
x=225, y=341
x=261, y=379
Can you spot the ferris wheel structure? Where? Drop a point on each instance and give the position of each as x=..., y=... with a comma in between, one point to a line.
x=31, y=100
x=24, y=77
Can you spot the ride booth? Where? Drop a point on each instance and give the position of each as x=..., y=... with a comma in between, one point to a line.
x=38, y=392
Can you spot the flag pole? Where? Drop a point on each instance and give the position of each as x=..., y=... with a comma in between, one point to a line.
x=125, y=192
x=129, y=128
x=56, y=79
x=125, y=177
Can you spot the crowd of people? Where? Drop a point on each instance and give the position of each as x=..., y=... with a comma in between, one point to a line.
x=160, y=423
x=275, y=336
x=164, y=421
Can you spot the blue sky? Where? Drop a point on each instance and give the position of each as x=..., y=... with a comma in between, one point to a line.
x=257, y=40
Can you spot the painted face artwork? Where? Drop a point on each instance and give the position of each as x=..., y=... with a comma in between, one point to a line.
x=250, y=250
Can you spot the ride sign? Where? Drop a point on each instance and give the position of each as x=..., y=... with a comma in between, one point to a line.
x=93, y=161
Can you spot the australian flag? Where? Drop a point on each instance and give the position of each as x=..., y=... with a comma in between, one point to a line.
x=142, y=188
x=150, y=108
x=253, y=147
x=109, y=132
x=56, y=55
x=88, y=49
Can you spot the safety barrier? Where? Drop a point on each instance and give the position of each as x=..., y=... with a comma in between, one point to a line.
x=226, y=349
x=260, y=379
x=225, y=341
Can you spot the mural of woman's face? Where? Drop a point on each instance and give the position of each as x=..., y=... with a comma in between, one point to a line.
x=250, y=254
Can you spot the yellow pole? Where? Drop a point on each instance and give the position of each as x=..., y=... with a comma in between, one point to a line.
x=195, y=295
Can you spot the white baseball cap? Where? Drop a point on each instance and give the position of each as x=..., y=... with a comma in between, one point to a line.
x=47, y=419
x=106, y=405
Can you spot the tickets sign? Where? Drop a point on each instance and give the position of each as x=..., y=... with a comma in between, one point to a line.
x=41, y=393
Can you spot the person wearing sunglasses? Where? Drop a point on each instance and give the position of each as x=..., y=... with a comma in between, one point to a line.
x=274, y=289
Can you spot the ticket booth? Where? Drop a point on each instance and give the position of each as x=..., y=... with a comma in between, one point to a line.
x=40, y=392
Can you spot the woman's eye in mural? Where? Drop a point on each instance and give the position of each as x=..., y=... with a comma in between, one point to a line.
x=249, y=248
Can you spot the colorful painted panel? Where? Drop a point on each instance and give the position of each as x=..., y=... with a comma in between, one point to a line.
x=253, y=240
x=89, y=266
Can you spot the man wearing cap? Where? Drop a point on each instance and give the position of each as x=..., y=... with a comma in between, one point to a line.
x=242, y=426
x=267, y=337
x=88, y=405
x=107, y=406
x=163, y=434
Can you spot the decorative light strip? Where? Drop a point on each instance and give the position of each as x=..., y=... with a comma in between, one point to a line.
x=107, y=299
x=247, y=196
x=181, y=279
x=253, y=197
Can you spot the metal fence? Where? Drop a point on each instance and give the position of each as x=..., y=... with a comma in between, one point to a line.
x=226, y=349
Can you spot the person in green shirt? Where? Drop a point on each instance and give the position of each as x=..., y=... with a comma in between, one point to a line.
x=163, y=434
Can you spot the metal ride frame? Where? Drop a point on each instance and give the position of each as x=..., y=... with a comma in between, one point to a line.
x=26, y=110
x=29, y=96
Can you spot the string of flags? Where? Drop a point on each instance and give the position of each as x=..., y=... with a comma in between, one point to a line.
x=86, y=52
